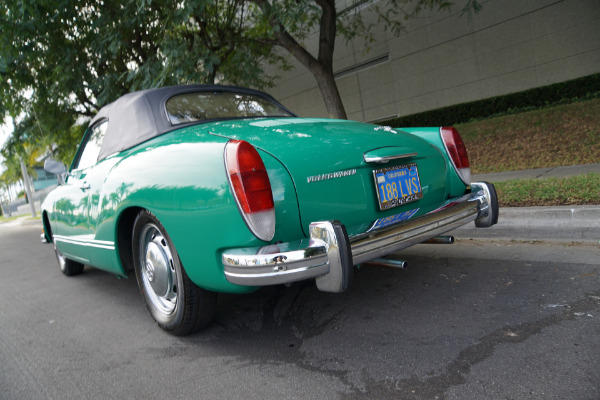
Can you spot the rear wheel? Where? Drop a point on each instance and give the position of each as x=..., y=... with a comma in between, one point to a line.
x=67, y=267
x=175, y=302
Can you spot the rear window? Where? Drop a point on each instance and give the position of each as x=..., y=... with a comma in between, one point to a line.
x=200, y=106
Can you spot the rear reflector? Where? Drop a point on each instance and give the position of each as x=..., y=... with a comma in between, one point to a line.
x=251, y=187
x=457, y=152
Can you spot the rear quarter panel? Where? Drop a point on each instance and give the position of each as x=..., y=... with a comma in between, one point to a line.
x=454, y=185
x=180, y=177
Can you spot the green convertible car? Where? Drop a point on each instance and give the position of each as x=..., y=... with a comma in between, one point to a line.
x=206, y=189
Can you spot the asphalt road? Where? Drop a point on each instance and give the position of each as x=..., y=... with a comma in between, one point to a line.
x=475, y=320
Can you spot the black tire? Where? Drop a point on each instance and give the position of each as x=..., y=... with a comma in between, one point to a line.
x=67, y=267
x=174, y=301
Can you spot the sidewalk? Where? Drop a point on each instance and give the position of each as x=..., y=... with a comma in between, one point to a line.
x=539, y=173
x=20, y=220
x=571, y=223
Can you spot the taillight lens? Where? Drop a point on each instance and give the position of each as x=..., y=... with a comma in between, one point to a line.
x=251, y=187
x=457, y=151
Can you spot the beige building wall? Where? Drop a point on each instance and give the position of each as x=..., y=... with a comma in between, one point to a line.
x=444, y=59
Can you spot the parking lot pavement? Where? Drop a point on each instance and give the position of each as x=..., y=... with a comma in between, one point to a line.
x=480, y=319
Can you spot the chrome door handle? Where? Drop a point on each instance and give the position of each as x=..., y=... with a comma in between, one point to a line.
x=84, y=186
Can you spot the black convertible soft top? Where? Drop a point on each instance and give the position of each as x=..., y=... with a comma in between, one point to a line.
x=139, y=116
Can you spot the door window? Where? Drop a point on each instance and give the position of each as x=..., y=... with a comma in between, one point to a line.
x=91, y=149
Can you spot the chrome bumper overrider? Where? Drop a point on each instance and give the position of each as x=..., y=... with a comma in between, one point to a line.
x=329, y=254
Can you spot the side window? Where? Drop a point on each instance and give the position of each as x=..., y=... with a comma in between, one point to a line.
x=91, y=149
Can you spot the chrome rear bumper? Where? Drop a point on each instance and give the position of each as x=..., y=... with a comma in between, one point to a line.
x=329, y=254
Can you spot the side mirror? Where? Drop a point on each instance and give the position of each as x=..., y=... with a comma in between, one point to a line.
x=57, y=168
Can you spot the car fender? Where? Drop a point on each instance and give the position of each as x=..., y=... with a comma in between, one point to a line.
x=455, y=186
x=183, y=182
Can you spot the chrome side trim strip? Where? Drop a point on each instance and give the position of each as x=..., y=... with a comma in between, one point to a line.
x=383, y=160
x=100, y=244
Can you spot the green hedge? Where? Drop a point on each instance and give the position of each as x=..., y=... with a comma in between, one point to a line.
x=565, y=92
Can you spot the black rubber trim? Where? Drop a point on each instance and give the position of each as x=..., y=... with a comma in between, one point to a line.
x=345, y=254
x=494, y=201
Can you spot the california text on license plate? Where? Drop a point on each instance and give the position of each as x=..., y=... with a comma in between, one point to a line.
x=397, y=185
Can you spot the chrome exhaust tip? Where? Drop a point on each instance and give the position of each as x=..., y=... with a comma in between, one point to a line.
x=440, y=240
x=388, y=262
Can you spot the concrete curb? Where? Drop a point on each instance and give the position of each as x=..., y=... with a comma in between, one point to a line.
x=572, y=223
x=567, y=223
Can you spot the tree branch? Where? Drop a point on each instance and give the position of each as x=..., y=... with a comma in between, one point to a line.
x=285, y=40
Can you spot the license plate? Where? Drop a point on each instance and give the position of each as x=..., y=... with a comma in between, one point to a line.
x=397, y=185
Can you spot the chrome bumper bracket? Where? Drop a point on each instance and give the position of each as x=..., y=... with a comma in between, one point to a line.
x=340, y=257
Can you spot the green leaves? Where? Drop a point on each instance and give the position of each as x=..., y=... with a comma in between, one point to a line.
x=66, y=59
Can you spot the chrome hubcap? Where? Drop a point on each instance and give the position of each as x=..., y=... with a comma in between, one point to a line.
x=159, y=276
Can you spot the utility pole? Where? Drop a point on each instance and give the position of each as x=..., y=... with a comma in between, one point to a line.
x=28, y=191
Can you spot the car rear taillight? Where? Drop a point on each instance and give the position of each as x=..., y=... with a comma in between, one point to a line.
x=457, y=151
x=251, y=187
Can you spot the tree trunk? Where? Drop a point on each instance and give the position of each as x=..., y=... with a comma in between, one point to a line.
x=321, y=69
x=322, y=66
x=324, y=72
x=27, y=186
x=330, y=93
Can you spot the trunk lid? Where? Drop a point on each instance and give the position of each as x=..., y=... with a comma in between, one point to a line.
x=326, y=160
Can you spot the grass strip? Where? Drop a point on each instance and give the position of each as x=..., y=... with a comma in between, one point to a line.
x=575, y=190
x=563, y=135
